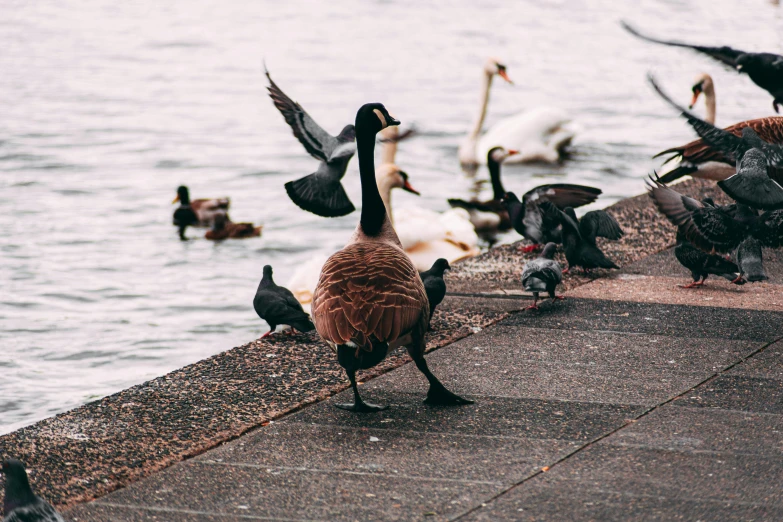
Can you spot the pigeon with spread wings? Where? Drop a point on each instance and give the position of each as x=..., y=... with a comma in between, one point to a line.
x=764, y=69
x=320, y=192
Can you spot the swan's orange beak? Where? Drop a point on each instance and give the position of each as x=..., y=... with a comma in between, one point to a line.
x=409, y=188
x=512, y=152
x=503, y=74
x=696, y=93
x=175, y=199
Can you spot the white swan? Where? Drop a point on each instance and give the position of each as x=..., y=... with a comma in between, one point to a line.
x=426, y=235
x=539, y=134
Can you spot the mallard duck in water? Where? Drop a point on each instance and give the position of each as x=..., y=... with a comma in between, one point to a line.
x=196, y=213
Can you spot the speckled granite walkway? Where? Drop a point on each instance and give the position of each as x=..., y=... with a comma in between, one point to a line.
x=631, y=400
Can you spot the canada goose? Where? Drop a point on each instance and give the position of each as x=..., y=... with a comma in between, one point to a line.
x=539, y=134
x=370, y=298
x=196, y=213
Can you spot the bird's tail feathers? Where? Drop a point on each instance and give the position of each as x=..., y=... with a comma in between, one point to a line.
x=320, y=195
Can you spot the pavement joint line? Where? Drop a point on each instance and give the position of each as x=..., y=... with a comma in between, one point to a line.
x=696, y=451
x=430, y=433
x=518, y=297
x=341, y=472
x=660, y=497
x=608, y=434
x=202, y=513
x=619, y=332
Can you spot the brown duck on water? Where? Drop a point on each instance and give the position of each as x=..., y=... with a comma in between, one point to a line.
x=197, y=212
x=370, y=299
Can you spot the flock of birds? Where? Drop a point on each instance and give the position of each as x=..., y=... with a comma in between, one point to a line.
x=380, y=291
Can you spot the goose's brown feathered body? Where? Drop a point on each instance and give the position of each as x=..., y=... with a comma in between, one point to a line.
x=369, y=297
x=696, y=152
x=369, y=293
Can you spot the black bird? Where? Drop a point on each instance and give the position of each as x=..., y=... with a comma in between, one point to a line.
x=757, y=182
x=20, y=503
x=723, y=229
x=198, y=212
x=434, y=284
x=579, y=236
x=277, y=305
x=543, y=275
x=764, y=69
x=320, y=192
x=700, y=263
x=531, y=221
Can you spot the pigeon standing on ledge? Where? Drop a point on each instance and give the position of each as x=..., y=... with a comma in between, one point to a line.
x=20, y=503
x=277, y=305
x=434, y=284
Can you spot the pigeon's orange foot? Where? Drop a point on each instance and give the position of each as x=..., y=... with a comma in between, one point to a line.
x=531, y=248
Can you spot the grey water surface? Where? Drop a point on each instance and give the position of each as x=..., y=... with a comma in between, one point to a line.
x=108, y=106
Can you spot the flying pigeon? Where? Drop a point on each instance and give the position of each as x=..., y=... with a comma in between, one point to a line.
x=764, y=69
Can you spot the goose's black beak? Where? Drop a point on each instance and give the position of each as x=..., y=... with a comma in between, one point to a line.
x=392, y=121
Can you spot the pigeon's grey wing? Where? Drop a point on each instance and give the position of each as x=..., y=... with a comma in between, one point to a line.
x=319, y=143
x=770, y=229
x=720, y=230
x=563, y=195
x=731, y=146
x=723, y=54
x=564, y=219
x=546, y=270
x=751, y=185
x=41, y=511
x=289, y=298
x=533, y=222
x=679, y=209
x=598, y=223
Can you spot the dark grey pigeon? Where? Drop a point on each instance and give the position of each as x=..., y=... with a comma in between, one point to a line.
x=434, y=284
x=751, y=185
x=579, y=237
x=277, y=305
x=320, y=192
x=723, y=228
x=531, y=221
x=763, y=69
x=542, y=275
x=750, y=261
x=700, y=263
x=20, y=503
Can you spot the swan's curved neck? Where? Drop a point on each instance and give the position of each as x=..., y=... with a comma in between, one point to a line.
x=478, y=123
x=389, y=151
x=385, y=189
x=494, y=175
x=709, y=102
x=373, y=207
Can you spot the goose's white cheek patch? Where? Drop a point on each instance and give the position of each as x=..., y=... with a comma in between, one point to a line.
x=380, y=117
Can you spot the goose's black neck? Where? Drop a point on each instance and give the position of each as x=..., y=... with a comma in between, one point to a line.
x=373, y=209
x=494, y=175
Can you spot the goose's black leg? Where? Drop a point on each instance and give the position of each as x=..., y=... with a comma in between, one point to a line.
x=358, y=404
x=438, y=394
